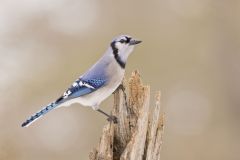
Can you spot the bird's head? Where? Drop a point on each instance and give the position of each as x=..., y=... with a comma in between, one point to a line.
x=122, y=46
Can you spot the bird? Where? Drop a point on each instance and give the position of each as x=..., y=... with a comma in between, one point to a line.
x=98, y=83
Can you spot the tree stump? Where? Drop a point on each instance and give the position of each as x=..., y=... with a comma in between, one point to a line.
x=138, y=133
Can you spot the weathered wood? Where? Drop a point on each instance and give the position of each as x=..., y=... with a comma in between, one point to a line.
x=155, y=132
x=105, y=151
x=138, y=134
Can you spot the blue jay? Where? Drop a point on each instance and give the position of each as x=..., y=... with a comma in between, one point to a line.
x=98, y=83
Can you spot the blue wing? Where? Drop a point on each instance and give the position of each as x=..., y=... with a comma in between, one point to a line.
x=82, y=87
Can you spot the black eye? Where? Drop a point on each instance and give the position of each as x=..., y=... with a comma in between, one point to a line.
x=122, y=41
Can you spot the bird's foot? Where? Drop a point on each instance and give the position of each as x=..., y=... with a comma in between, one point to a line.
x=112, y=119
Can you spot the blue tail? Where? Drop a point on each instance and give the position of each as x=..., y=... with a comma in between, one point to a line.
x=37, y=115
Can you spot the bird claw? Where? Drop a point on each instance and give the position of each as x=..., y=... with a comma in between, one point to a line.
x=113, y=119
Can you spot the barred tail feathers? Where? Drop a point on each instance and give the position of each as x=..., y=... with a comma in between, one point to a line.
x=39, y=114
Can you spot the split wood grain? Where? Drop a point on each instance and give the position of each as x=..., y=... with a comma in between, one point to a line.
x=138, y=134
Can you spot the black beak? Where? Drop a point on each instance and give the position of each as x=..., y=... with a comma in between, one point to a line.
x=134, y=42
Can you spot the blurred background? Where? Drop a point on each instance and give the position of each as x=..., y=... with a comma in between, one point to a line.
x=190, y=52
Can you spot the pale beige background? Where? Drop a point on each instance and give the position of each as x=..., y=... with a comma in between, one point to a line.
x=190, y=51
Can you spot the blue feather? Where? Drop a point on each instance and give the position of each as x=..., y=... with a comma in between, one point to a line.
x=37, y=115
x=79, y=88
x=82, y=87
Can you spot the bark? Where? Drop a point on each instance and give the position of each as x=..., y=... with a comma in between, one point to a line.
x=138, y=133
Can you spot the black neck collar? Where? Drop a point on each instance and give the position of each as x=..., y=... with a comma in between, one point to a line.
x=116, y=56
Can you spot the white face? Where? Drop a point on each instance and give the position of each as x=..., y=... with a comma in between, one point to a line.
x=124, y=44
x=124, y=50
